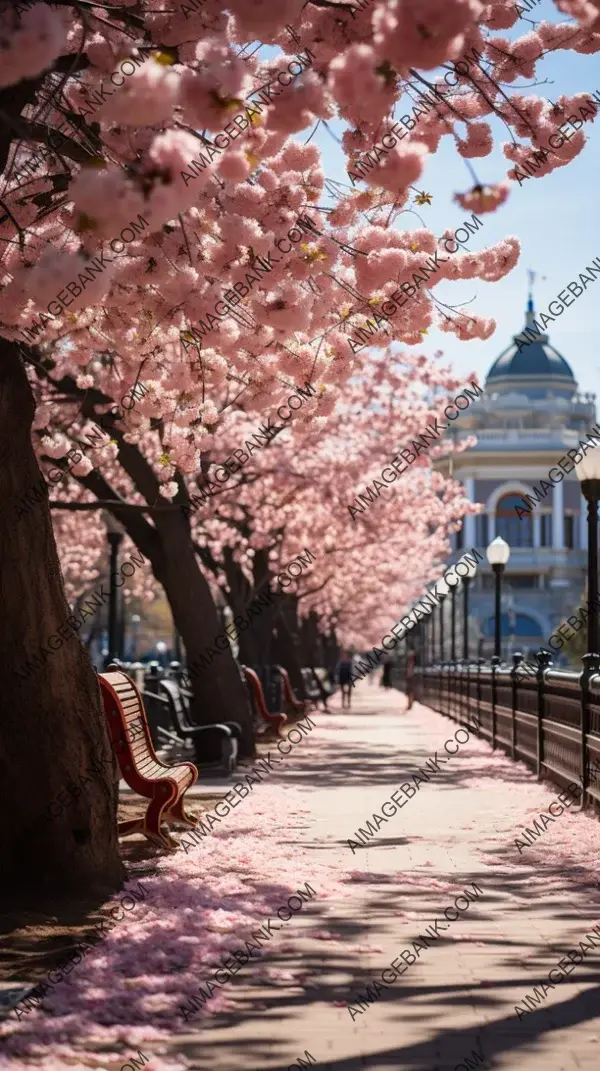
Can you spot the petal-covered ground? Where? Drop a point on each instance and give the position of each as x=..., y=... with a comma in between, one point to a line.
x=375, y=894
x=204, y=904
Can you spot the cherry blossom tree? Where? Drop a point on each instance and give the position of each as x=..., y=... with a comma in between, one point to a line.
x=295, y=497
x=150, y=169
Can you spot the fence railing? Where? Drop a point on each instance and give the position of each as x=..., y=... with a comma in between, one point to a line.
x=549, y=720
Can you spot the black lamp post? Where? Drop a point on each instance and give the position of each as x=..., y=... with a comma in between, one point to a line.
x=114, y=539
x=498, y=554
x=466, y=582
x=588, y=472
x=453, y=623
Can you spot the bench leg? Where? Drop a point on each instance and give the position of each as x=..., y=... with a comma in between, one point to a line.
x=178, y=813
x=152, y=823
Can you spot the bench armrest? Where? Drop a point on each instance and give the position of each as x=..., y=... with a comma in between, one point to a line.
x=154, y=697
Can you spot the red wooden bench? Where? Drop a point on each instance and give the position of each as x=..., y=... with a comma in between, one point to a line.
x=165, y=786
x=299, y=706
x=275, y=721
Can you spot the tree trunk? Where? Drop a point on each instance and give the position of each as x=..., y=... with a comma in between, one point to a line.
x=218, y=690
x=256, y=641
x=331, y=650
x=239, y=596
x=309, y=635
x=53, y=727
x=287, y=646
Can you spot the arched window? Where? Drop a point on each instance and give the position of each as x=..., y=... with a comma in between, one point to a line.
x=521, y=626
x=517, y=531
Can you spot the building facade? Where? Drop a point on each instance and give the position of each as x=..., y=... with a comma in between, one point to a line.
x=530, y=415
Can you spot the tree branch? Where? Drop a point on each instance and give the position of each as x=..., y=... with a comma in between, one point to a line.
x=110, y=503
x=313, y=591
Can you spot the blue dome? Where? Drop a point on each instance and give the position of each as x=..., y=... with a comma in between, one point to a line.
x=531, y=365
x=536, y=359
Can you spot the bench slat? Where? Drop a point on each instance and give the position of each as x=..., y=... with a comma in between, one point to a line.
x=136, y=757
x=124, y=690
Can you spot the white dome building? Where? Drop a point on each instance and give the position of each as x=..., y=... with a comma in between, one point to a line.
x=530, y=415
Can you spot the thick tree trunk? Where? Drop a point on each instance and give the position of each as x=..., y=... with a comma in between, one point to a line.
x=331, y=650
x=58, y=831
x=309, y=640
x=239, y=596
x=287, y=643
x=256, y=641
x=219, y=693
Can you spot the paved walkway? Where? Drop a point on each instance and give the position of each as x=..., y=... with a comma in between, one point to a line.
x=459, y=995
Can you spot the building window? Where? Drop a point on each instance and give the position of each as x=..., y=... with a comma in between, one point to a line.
x=481, y=530
x=569, y=531
x=517, y=531
x=521, y=580
x=546, y=530
x=518, y=625
x=518, y=581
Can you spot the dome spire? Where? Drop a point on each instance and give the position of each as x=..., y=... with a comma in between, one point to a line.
x=530, y=308
x=530, y=364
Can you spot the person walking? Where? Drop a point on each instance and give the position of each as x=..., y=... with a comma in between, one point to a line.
x=344, y=673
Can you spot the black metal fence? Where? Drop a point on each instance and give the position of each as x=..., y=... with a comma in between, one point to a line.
x=549, y=720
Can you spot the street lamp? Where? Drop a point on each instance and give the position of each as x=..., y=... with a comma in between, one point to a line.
x=453, y=623
x=466, y=581
x=443, y=590
x=135, y=631
x=498, y=554
x=588, y=472
x=114, y=533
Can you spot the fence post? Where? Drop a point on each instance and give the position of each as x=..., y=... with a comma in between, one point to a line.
x=479, y=665
x=591, y=666
x=495, y=664
x=544, y=659
x=517, y=659
x=152, y=678
x=463, y=707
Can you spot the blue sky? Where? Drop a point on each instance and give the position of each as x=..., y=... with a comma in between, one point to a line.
x=554, y=217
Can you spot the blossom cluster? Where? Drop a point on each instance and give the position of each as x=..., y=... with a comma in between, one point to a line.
x=147, y=91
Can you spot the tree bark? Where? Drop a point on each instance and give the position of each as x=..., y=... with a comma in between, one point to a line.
x=59, y=829
x=309, y=637
x=256, y=641
x=218, y=690
x=287, y=644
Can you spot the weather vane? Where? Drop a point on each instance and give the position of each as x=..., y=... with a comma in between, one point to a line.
x=532, y=277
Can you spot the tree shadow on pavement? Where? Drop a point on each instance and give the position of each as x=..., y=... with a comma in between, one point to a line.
x=334, y=973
